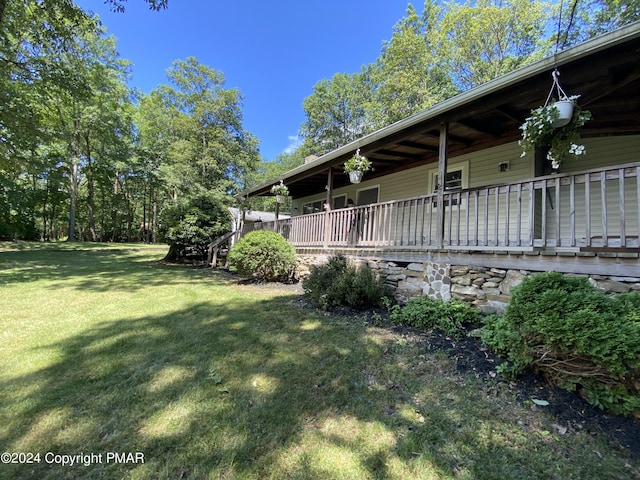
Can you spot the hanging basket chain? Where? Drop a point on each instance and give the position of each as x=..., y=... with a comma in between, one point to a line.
x=556, y=85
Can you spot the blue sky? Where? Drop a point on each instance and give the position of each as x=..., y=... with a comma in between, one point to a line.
x=272, y=51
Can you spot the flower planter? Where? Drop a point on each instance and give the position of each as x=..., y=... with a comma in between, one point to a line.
x=565, y=110
x=280, y=198
x=356, y=176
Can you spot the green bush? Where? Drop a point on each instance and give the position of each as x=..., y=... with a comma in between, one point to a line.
x=573, y=334
x=189, y=225
x=264, y=256
x=339, y=283
x=426, y=313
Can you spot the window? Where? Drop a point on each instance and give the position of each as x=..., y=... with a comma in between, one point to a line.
x=367, y=196
x=453, y=181
x=312, y=207
x=339, y=202
x=456, y=179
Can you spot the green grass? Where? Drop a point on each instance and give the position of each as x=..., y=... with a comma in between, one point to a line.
x=105, y=350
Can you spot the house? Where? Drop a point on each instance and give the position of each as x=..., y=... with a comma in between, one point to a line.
x=498, y=215
x=251, y=219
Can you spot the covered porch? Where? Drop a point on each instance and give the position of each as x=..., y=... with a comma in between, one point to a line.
x=584, y=220
x=592, y=211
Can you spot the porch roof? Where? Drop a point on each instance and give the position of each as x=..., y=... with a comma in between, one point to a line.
x=605, y=71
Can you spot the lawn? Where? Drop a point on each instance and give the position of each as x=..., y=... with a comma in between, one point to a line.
x=134, y=369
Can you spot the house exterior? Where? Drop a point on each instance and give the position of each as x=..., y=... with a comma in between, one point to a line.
x=498, y=215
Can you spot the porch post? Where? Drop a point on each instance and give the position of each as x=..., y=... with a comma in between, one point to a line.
x=327, y=209
x=442, y=182
x=329, y=187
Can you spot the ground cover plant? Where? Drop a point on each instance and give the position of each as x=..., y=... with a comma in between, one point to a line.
x=452, y=317
x=108, y=350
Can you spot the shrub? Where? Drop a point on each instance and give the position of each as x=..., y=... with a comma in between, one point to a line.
x=426, y=313
x=573, y=334
x=191, y=224
x=264, y=256
x=339, y=283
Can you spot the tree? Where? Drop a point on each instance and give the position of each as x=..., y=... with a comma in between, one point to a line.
x=209, y=149
x=488, y=38
x=409, y=75
x=336, y=112
x=118, y=5
x=69, y=10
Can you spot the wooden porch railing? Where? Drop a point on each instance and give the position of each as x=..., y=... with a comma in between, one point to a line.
x=596, y=209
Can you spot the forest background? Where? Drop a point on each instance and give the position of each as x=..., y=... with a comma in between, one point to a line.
x=83, y=157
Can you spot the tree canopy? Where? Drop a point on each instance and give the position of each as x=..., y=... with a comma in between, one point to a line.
x=448, y=48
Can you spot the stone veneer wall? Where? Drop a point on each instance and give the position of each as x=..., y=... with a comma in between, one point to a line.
x=486, y=288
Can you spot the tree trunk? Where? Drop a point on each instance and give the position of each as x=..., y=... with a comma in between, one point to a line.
x=73, y=194
x=90, y=194
x=154, y=219
x=45, y=202
x=172, y=255
x=114, y=211
x=3, y=6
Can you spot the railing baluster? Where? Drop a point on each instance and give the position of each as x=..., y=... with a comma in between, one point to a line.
x=544, y=212
x=449, y=198
x=558, y=209
x=587, y=210
x=507, y=218
x=486, y=217
x=422, y=208
x=623, y=232
x=477, y=215
x=572, y=210
x=496, y=219
x=466, y=234
x=603, y=205
x=532, y=213
x=519, y=215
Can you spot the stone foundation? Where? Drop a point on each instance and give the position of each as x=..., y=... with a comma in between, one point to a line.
x=486, y=288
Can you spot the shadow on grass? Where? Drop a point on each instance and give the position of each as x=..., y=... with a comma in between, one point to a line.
x=255, y=389
x=95, y=270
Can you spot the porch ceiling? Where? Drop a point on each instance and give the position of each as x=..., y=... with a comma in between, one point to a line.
x=605, y=72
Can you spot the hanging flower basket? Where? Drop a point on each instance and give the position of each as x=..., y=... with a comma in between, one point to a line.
x=565, y=112
x=356, y=166
x=356, y=176
x=281, y=191
x=555, y=126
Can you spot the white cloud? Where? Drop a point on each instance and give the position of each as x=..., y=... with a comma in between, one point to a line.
x=294, y=142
